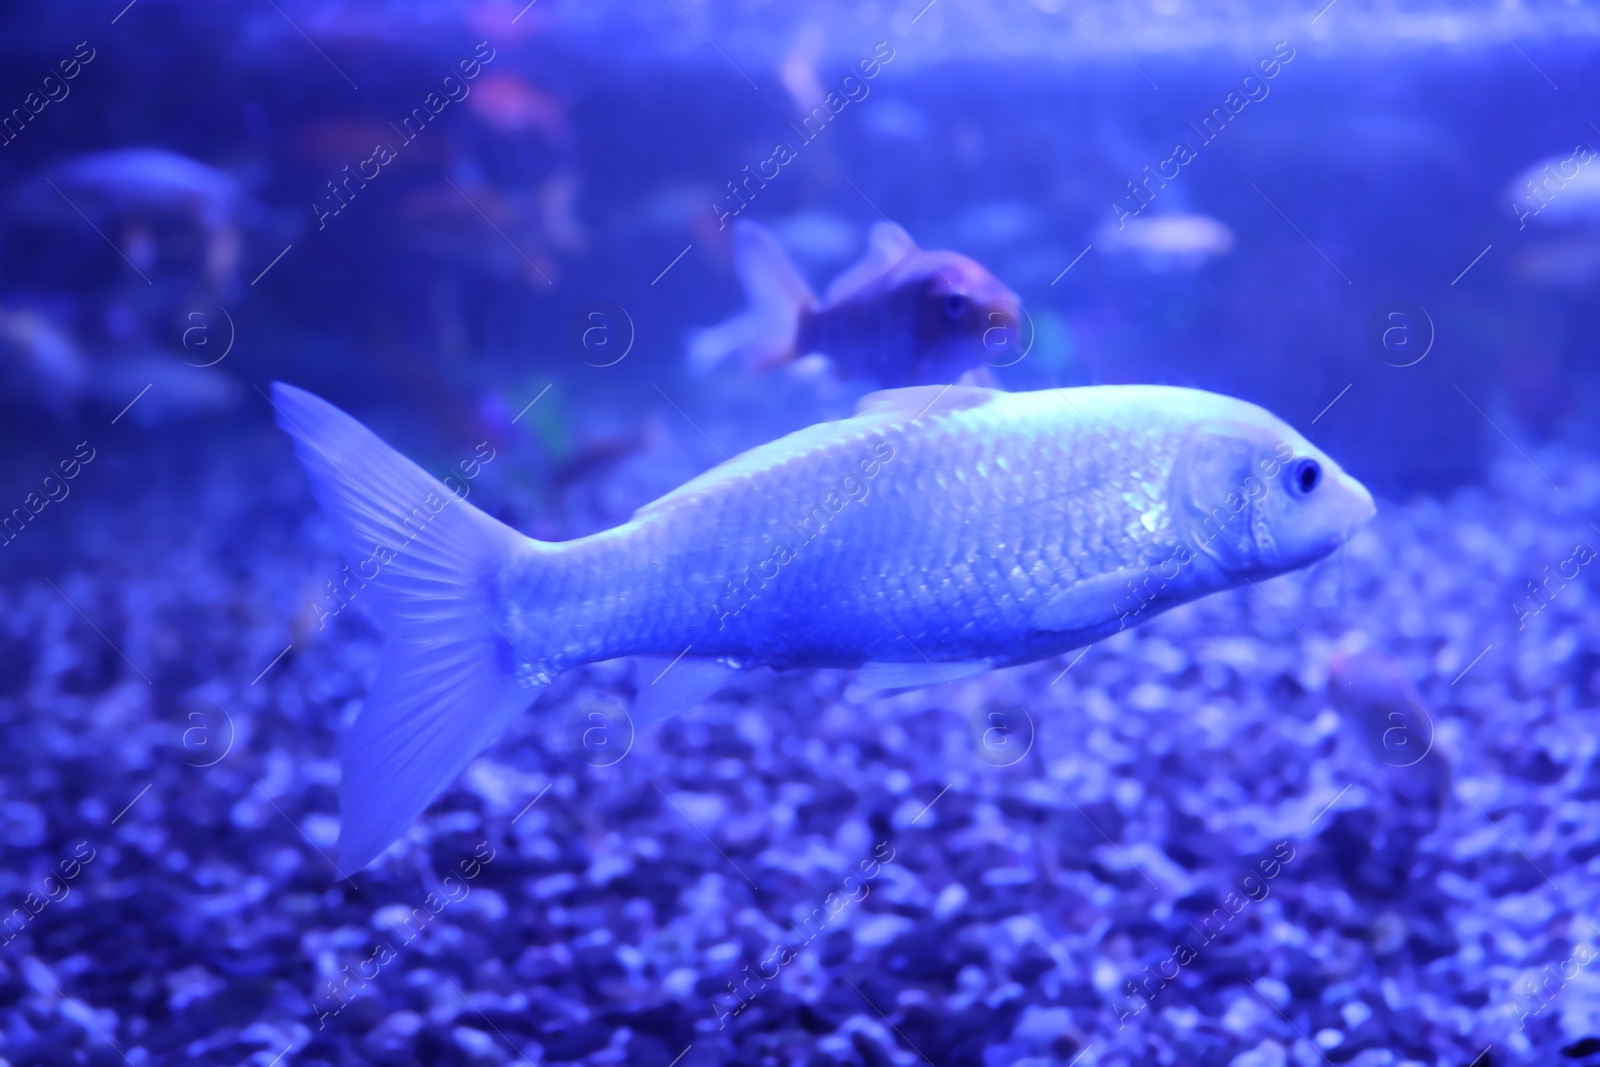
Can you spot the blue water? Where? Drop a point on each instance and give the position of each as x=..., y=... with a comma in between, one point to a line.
x=1347, y=816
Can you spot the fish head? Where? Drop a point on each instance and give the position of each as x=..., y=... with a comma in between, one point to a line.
x=1258, y=499
x=961, y=306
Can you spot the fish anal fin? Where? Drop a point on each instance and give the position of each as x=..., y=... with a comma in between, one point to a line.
x=668, y=688
x=875, y=679
x=428, y=714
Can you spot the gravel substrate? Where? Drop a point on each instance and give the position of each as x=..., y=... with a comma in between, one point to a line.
x=1309, y=822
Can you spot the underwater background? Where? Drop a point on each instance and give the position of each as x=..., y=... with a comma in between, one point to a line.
x=1350, y=815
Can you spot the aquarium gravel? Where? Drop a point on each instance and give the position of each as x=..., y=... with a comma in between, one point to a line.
x=1182, y=846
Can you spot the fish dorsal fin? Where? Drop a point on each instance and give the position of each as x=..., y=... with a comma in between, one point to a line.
x=919, y=401
x=745, y=465
x=885, y=406
x=888, y=245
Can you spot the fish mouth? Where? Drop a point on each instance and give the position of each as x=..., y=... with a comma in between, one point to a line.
x=1363, y=508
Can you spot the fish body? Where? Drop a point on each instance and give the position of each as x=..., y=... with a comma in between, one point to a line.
x=881, y=539
x=900, y=316
x=937, y=533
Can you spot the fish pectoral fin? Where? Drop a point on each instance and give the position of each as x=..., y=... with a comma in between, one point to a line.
x=1092, y=604
x=873, y=679
x=670, y=687
x=918, y=401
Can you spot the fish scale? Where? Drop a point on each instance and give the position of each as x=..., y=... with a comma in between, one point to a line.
x=945, y=550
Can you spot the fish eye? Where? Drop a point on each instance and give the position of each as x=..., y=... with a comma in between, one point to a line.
x=1305, y=475
x=955, y=305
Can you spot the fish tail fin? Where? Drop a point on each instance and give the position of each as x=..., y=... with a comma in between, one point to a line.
x=765, y=334
x=448, y=680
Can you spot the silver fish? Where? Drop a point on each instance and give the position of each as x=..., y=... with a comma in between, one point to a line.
x=937, y=533
x=899, y=316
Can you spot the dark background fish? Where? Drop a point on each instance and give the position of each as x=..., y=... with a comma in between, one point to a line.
x=899, y=316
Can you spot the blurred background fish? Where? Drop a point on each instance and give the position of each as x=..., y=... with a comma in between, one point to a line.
x=156, y=206
x=509, y=104
x=175, y=227
x=1384, y=708
x=1555, y=265
x=1557, y=202
x=899, y=316
x=458, y=223
x=41, y=363
x=1166, y=242
x=44, y=367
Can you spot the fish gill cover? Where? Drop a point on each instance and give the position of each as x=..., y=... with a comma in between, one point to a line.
x=685, y=533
